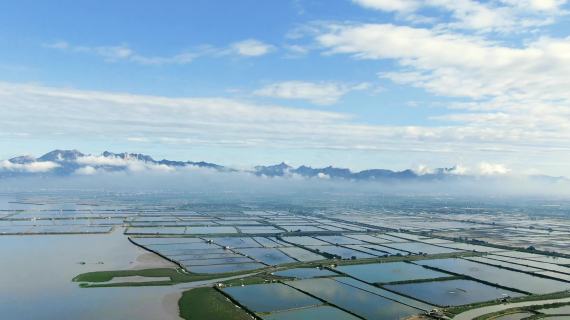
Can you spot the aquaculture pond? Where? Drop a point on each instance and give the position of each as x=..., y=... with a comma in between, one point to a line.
x=210, y=230
x=377, y=250
x=156, y=230
x=390, y=272
x=514, y=316
x=339, y=240
x=182, y=246
x=565, y=310
x=269, y=256
x=164, y=240
x=267, y=243
x=270, y=297
x=224, y=268
x=205, y=255
x=502, y=264
x=417, y=247
x=260, y=230
x=345, y=253
x=510, y=279
x=385, y=293
x=305, y=241
x=305, y=273
x=363, y=303
x=534, y=264
x=368, y=238
x=452, y=292
x=301, y=254
x=556, y=275
x=321, y=312
x=235, y=242
x=208, y=262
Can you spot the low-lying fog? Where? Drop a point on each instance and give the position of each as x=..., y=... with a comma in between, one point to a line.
x=211, y=182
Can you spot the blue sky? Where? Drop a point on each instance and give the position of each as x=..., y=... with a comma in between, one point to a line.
x=364, y=83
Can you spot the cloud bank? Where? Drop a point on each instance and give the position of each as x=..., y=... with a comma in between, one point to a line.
x=124, y=53
x=540, y=133
x=323, y=93
x=32, y=167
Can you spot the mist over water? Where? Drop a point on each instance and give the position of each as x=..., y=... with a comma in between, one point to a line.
x=213, y=184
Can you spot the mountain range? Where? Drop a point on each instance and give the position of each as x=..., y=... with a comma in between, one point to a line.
x=70, y=162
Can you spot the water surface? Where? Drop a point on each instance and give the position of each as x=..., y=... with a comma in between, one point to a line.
x=451, y=292
x=270, y=297
x=37, y=272
x=390, y=272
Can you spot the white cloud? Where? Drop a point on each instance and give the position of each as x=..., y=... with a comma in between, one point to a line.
x=251, y=48
x=390, y=5
x=86, y=171
x=131, y=164
x=33, y=167
x=483, y=169
x=323, y=93
x=513, y=93
x=500, y=15
x=137, y=139
x=124, y=53
x=117, y=53
x=297, y=50
x=321, y=175
x=456, y=65
x=460, y=169
x=91, y=160
x=540, y=5
x=63, y=113
x=422, y=169
x=110, y=53
x=486, y=168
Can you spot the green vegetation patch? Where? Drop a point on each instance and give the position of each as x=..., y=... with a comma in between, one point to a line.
x=209, y=304
x=457, y=310
x=249, y=280
x=99, y=278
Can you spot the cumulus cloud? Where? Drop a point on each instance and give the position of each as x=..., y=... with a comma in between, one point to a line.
x=251, y=48
x=501, y=16
x=486, y=168
x=460, y=169
x=94, y=164
x=32, y=167
x=54, y=113
x=390, y=5
x=321, y=175
x=513, y=93
x=323, y=93
x=422, y=169
x=122, y=52
x=540, y=5
x=452, y=64
x=91, y=160
x=86, y=171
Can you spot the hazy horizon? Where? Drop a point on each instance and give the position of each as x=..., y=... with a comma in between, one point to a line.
x=357, y=84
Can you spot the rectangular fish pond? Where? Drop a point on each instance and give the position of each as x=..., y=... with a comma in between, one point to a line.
x=452, y=292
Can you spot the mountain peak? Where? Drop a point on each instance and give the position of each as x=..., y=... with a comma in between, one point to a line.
x=61, y=155
x=276, y=170
x=68, y=162
x=127, y=156
x=23, y=159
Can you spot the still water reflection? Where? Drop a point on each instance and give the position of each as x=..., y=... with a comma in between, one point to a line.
x=36, y=274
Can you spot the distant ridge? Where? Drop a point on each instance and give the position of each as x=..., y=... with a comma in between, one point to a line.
x=69, y=162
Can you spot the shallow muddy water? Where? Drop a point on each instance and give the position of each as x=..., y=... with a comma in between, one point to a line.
x=37, y=273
